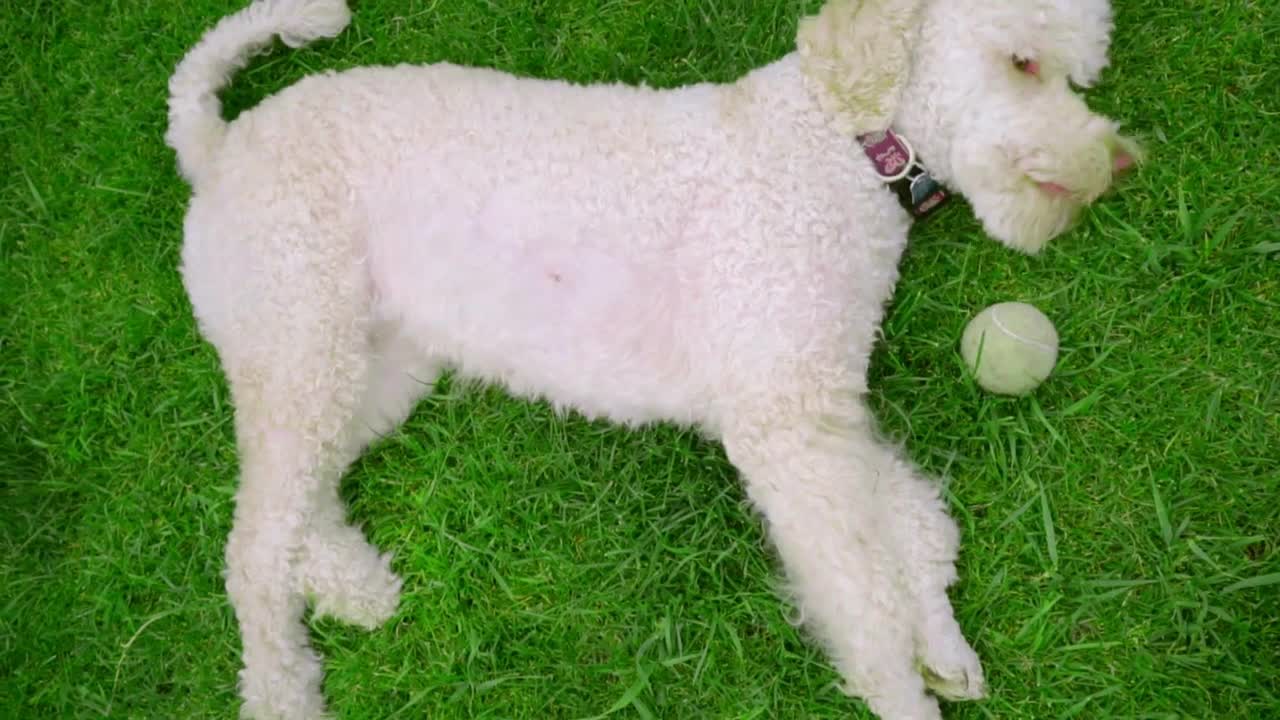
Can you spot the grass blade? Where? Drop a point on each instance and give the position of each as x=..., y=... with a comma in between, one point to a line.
x=1162, y=515
x=1253, y=582
x=1050, y=536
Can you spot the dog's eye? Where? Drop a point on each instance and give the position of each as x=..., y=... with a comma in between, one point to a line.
x=1026, y=66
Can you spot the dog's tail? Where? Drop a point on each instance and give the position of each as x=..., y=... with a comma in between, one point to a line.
x=196, y=127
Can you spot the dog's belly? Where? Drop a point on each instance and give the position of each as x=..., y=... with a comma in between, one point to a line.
x=516, y=288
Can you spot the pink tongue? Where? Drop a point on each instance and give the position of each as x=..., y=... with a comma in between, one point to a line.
x=1053, y=188
x=1122, y=161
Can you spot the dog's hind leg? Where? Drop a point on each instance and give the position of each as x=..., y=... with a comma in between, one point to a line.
x=805, y=472
x=282, y=470
x=342, y=572
x=289, y=318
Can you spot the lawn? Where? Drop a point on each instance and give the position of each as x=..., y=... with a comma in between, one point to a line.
x=1122, y=525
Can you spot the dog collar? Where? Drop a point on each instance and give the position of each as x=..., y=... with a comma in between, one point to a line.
x=895, y=162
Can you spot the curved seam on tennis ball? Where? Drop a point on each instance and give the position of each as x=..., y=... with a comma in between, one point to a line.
x=995, y=318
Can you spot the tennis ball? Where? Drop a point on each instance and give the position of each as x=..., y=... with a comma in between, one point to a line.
x=1010, y=348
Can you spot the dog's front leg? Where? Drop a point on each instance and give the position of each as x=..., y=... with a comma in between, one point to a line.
x=808, y=475
x=927, y=541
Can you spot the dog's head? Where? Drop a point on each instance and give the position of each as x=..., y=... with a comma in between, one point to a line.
x=986, y=91
x=993, y=109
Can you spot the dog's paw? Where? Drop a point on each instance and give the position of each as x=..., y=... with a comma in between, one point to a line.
x=367, y=597
x=951, y=669
x=282, y=686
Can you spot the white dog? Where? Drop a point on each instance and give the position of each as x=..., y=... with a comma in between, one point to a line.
x=716, y=255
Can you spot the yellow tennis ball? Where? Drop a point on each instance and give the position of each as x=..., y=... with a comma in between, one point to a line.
x=1010, y=348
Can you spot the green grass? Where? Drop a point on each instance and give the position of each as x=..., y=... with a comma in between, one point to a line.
x=1122, y=527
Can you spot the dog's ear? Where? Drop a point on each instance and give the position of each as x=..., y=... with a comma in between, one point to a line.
x=860, y=52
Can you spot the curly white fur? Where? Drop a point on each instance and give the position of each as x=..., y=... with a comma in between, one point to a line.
x=716, y=255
